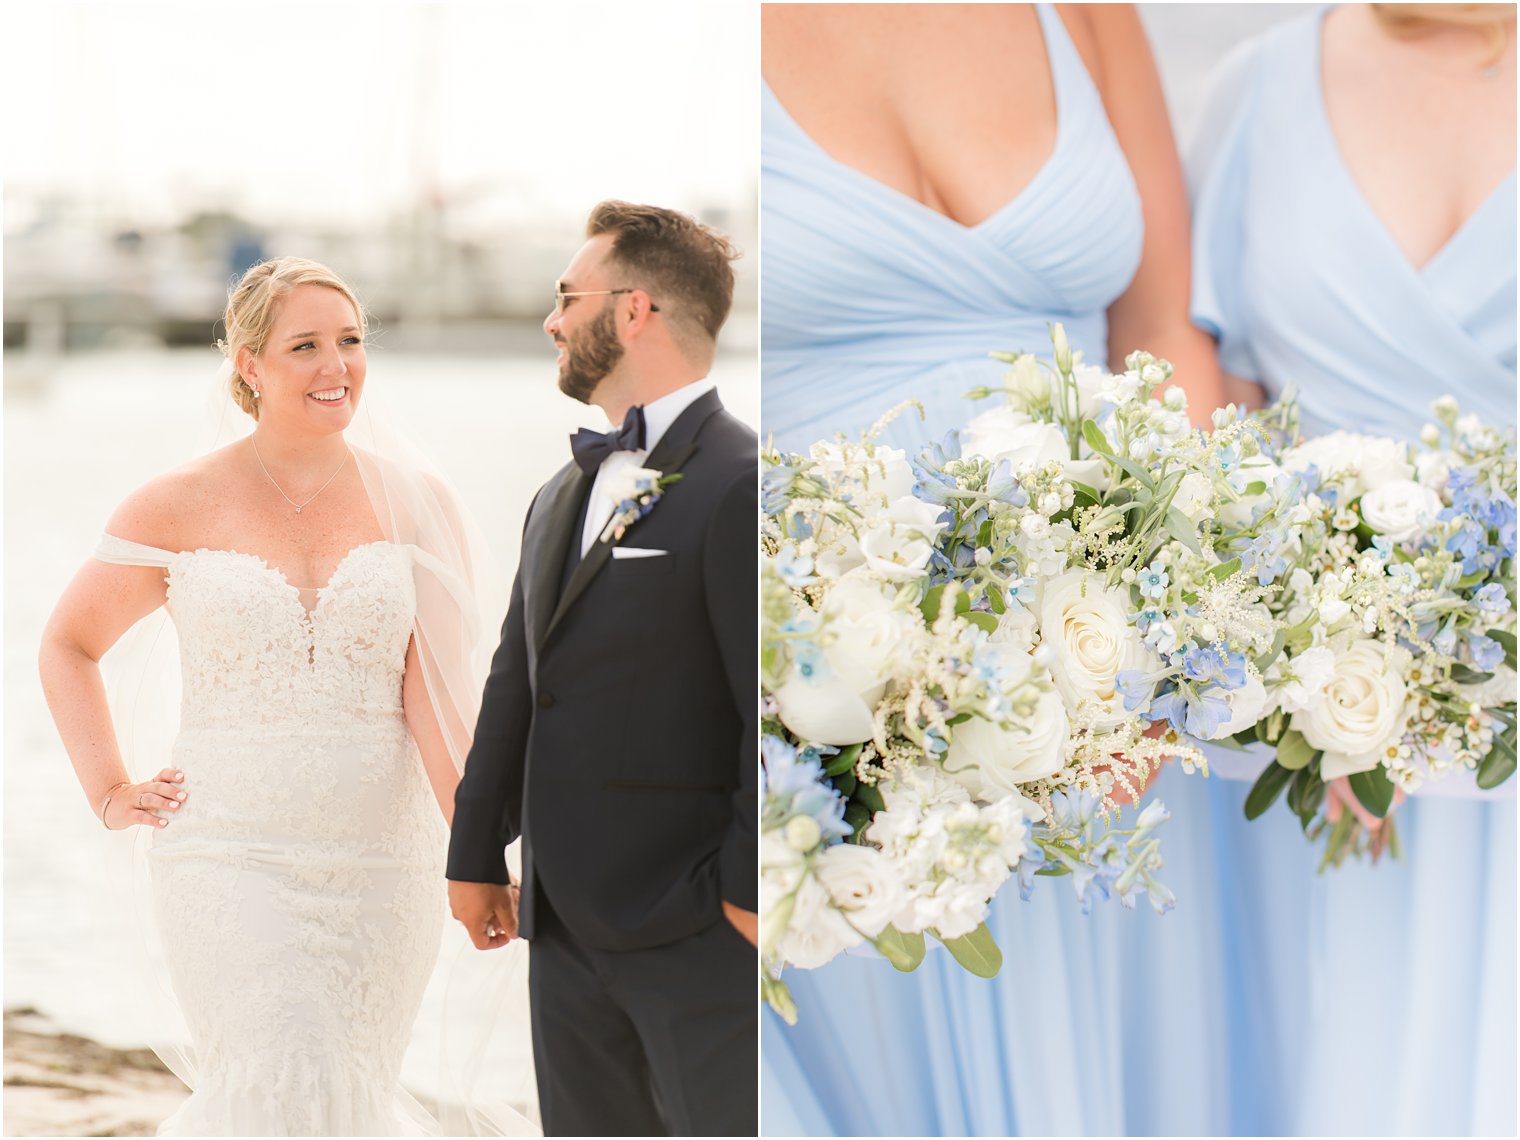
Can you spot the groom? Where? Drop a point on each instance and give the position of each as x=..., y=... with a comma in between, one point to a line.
x=617, y=731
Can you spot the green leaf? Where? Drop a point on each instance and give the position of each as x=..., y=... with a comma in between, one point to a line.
x=1374, y=790
x=1225, y=569
x=1180, y=527
x=976, y=951
x=1256, y=488
x=984, y=621
x=1305, y=795
x=1499, y=764
x=1083, y=491
x=1140, y=474
x=1054, y=870
x=857, y=815
x=1507, y=639
x=843, y=762
x=1096, y=439
x=904, y=951
x=867, y=794
x=1271, y=655
x=1468, y=581
x=1465, y=676
x=1294, y=752
x=996, y=600
x=844, y=784
x=929, y=607
x=1268, y=787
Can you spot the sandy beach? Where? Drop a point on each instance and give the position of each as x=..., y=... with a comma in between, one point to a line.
x=61, y=1084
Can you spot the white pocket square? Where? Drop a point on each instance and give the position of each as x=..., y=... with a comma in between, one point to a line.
x=636, y=552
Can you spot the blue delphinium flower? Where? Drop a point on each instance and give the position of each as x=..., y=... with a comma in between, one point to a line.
x=1486, y=652
x=796, y=570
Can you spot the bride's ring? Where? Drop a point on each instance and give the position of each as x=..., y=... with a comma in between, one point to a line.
x=139, y=800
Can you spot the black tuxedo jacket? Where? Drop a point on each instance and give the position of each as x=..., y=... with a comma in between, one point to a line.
x=617, y=731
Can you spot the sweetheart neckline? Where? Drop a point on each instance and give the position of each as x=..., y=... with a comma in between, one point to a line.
x=264, y=564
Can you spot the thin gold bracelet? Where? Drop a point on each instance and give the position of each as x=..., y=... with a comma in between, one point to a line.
x=106, y=803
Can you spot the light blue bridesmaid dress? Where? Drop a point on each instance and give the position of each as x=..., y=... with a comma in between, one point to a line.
x=872, y=298
x=1381, y=999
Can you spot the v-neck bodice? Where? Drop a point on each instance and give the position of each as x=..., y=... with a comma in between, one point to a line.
x=1304, y=285
x=872, y=297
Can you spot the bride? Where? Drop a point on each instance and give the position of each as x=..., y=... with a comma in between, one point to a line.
x=322, y=594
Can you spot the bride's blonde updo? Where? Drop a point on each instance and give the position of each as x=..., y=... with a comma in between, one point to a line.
x=251, y=307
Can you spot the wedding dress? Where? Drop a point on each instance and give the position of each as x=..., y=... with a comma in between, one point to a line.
x=299, y=891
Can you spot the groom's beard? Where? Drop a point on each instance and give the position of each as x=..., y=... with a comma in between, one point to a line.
x=593, y=353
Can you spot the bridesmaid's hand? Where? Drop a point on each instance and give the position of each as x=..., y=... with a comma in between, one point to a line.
x=137, y=804
x=1122, y=797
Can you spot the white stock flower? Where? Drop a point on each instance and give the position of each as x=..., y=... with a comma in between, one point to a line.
x=863, y=884
x=1003, y=433
x=1362, y=712
x=1400, y=508
x=897, y=544
x=1084, y=625
x=990, y=761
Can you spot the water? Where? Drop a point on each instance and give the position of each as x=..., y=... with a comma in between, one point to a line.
x=92, y=429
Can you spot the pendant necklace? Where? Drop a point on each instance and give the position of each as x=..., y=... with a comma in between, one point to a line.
x=277, y=487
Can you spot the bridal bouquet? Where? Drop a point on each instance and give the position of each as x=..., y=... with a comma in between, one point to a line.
x=966, y=659
x=1396, y=600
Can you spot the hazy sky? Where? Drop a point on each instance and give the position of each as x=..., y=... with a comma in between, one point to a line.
x=340, y=110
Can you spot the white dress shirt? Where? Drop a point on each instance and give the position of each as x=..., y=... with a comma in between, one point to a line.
x=658, y=416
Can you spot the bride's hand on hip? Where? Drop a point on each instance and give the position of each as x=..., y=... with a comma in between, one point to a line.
x=138, y=804
x=488, y=912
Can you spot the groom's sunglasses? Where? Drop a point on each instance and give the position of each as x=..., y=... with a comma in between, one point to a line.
x=560, y=295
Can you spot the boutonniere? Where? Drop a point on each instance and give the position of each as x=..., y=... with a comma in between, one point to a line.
x=635, y=491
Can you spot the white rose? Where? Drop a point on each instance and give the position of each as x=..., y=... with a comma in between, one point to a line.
x=1194, y=496
x=863, y=884
x=817, y=932
x=1084, y=625
x=865, y=634
x=1432, y=467
x=897, y=544
x=1357, y=463
x=1362, y=712
x=1003, y=433
x=990, y=761
x=1400, y=508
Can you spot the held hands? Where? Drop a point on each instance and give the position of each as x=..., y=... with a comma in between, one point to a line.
x=127, y=805
x=487, y=910
x=746, y=922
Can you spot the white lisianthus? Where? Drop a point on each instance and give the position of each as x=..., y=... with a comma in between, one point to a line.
x=1400, y=508
x=863, y=884
x=625, y=484
x=989, y=760
x=1015, y=628
x=898, y=543
x=1093, y=472
x=1195, y=496
x=838, y=552
x=1086, y=629
x=1247, y=704
x=1003, y=433
x=1362, y=712
x=1092, y=388
x=1306, y=676
x=1357, y=463
x=817, y=932
x=827, y=711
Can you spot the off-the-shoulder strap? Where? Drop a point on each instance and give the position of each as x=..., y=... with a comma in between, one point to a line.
x=123, y=553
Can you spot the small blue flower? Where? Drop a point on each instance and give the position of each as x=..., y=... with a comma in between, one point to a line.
x=1492, y=600
x=1486, y=652
x=796, y=570
x=1153, y=583
x=1021, y=592
x=811, y=665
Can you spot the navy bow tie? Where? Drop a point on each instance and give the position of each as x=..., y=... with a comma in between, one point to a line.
x=591, y=447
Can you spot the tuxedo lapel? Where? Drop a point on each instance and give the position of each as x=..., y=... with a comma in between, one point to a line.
x=552, y=544
x=676, y=446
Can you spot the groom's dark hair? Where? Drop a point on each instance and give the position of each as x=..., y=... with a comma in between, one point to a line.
x=684, y=265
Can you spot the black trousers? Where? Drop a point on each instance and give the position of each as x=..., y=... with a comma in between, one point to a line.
x=657, y=1042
